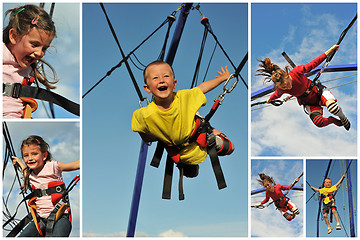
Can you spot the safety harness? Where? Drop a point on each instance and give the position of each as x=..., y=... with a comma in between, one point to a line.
x=17, y=90
x=203, y=135
x=60, y=199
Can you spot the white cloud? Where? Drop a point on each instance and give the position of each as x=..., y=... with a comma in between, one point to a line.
x=172, y=233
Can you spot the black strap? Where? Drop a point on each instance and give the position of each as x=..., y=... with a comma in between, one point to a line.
x=181, y=188
x=50, y=220
x=20, y=226
x=45, y=192
x=215, y=161
x=17, y=90
x=169, y=168
x=158, y=154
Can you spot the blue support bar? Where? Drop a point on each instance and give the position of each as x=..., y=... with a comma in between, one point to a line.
x=260, y=190
x=144, y=148
x=351, y=204
x=177, y=33
x=137, y=190
x=334, y=68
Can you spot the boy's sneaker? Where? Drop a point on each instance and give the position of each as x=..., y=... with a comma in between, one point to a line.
x=330, y=228
x=338, y=226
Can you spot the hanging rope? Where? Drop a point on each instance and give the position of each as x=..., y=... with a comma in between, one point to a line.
x=9, y=152
x=131, y=53
x=238, y=69
x=331, y=55
x=197, y=68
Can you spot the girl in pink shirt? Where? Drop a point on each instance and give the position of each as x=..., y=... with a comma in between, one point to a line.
x=274, y=191
x=296, y=84
x=25, y=40
x=40, y=172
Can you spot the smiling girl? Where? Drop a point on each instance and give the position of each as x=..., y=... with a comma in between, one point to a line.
x=274, y=191
x=40, y=172
x=25, y=40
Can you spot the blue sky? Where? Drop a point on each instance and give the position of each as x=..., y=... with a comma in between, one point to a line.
x=269, y=222
x=303, y=31
x=63, y=55
x=111, y=149
x=315, y=172
x=64, y=141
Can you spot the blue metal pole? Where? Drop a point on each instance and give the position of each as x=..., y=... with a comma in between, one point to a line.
x=334, y=68
x=351, y=205
x=177, y=33
x=144, y=148
x=137, y=190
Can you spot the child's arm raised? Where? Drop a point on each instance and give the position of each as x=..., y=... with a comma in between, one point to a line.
x=315, y=189
x=211, y=84
x=17, y=160
x=71, y=166
x=342, y=178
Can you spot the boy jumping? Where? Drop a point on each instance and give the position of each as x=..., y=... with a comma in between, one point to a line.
x=328, y=198
x=171, y=117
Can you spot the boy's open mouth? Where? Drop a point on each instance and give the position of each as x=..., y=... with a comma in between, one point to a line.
x=162, y=88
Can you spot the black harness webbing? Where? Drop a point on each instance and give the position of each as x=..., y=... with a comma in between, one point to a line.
x=17, y=90
x=51, y=219
x=20, y=226
x=211, y=150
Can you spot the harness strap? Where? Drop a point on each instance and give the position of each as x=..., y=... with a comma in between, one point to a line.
x=57, y=212
x=17, y=90
x=20, y=226
x=215, y=160
x=169, y=168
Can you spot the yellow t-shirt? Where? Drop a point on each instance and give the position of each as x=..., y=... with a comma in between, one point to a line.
x=326, y=191
x=174, y=125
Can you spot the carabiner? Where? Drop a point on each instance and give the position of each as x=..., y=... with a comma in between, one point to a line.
x=147, y=101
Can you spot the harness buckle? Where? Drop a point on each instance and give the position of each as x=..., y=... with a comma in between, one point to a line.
x=11, y=89
x=44, y=192
x=211, y=139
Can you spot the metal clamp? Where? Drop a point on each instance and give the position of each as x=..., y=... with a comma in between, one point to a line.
x=11, y=89
x=44, y=192
x=147, y=101
x=225, y=89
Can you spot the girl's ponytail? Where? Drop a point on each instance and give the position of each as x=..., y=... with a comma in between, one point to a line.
x=264, y=177
x=272, y=72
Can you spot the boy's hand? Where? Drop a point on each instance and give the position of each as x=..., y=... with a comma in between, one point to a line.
x=224, y=74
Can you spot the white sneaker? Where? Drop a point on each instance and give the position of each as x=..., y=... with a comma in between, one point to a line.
x=338, y=226
x=330, y=228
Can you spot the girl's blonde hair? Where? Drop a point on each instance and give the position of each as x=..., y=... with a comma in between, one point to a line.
x=44, y=147
x=272, y=72
x=22, y=20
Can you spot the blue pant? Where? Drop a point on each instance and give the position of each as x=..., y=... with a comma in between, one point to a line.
x=62, y=228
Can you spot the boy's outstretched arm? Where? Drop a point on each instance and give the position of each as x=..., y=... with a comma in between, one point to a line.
x=315, y=189
x=211, y=84
x=338, y=183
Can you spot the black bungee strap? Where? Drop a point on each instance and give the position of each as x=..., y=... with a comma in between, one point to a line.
x=17, y=90
x=331, y=55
